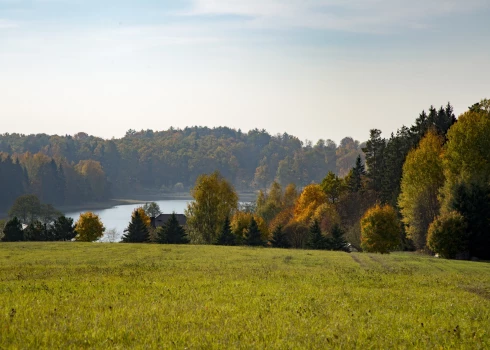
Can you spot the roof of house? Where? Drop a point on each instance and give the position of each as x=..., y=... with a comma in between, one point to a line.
x=163, y=218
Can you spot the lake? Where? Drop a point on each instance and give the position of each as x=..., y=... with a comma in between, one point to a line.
x=118, y=217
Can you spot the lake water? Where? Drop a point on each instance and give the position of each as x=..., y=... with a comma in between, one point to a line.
x=118, y=217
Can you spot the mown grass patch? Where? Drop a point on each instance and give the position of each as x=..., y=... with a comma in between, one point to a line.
x=74, y=295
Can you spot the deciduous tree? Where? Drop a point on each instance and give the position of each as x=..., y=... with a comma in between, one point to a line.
x=380, y=230
x=89, y=228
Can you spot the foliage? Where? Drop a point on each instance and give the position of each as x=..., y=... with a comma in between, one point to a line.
x=380, y=230
x=12, y=232
x=333, y=187
x=254, y=236
x=327, y=216
x=152, y=209
x=37, y=232
x=240, y=223
x=354, y=179
x=447, y=235
x=214, y=200
x=137, y=231
x=27, y=208
x=172, y=232
x=279, y=238
x=226, y=236
x=422, y=179
x=63, y=229
x=308, y=202
x=337, y=240
x=472, y=201
x=315, y=239
x=89, y=228
x=374, y=158
x=297, y=234
x=145, y=217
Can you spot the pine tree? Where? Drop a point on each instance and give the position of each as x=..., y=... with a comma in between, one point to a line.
x=374, y=158
x=355, y=178
x=337, y=241
x=316, y=240
x=226, y=237
x=137, y=231
x=254, y=236
x=172, y=232
x=13, y=231
x=279, y=238
x=63, y=229
x=36, y=232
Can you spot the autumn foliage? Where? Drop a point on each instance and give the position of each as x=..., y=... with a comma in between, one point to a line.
x=380, y=230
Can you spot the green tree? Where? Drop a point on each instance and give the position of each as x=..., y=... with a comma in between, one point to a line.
x=172, y=232
x=354, y=183
x=137, y=231
x=89, y=228
x=254, y=236
x=333, y=187
x=38, y=232
x=422, y=179
x=374, y=152
x=226, y=237
x=447, y=235
x=12, y=232
x=337, y=240
x=214, y=200
x=152, y=209
x=316, y=240
x=380, y=230
x=26, y=208
x=63, y=229
x=279, y=238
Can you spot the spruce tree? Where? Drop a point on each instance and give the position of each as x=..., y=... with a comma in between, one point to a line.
x=316, y=240
x=63, y=229
x=36, y=232
x=357, y=172
x=279, y=238
x=226, y=237
x=12, y=232
x=337, y=241
x=137, y=231
x=172, y=232
x=254, y=236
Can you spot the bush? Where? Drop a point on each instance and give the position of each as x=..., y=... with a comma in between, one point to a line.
x=447, y=235
x=380, y=230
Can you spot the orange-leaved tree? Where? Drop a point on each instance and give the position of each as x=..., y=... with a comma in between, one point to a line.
x=380, y=230
x=89, y=228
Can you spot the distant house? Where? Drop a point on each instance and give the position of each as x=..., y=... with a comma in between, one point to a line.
x=163, y=218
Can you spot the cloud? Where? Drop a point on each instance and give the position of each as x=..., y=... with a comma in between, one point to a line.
x=344, y=15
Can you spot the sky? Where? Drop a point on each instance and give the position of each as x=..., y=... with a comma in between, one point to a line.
x=316, y=69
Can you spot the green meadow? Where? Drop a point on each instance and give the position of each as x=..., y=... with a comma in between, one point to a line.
x=75, y=295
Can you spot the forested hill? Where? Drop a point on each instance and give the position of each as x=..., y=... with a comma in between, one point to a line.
x=78, y=168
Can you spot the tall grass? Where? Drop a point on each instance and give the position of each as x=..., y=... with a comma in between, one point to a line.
x=71, y=295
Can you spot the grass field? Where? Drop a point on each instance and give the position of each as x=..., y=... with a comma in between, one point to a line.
x=73, y=295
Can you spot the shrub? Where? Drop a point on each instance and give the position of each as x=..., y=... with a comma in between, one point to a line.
x=380, y=230
x=447, y=235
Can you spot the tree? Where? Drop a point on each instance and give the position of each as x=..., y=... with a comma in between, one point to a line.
x=380, y=230
x=26, y=208
x=254, y=236
x=152, y=209
x=279, y=238
x=374, y=158
x=214, y=200
x=336, y=241
x=308, y=202
x=447, y=235
x=137, y=231
x=226, y=237
x=354, y=183
x=89, y=228
x=333, y=187
x=63, y=229
x=12, y=232
x=172, y=232
x=38, y=232
x=421, y=182
x=315, y=239
x=142, y=213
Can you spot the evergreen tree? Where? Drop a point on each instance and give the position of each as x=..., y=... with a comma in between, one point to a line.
x=279, y=238
x=337, y=241
x=172, y=232
x=63, y=229
x=254, y=236
x=355, y=178
x=226, y=237
x=315, y=239
x=374, y=151
x=137, y=231
x=13, y=231
x=36, y=232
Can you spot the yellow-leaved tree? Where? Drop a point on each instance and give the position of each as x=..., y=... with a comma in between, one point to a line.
x=146, y=219
x=89, y=228
x=241, y=222
x=308, y=202
x=422, y=179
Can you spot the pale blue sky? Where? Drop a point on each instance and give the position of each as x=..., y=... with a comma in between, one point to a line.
x=312, y=68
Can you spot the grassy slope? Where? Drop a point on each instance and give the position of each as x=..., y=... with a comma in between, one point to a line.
x=60, y=295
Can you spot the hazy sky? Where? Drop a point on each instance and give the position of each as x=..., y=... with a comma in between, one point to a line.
x=312, y=68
